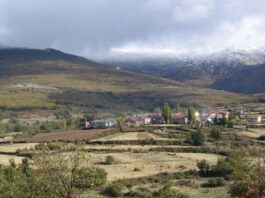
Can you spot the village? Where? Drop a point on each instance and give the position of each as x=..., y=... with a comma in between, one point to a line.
x=141, y=153
x=235, y=117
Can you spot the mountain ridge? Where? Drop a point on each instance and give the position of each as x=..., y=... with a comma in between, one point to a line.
x=32, y=78
x=208, y=71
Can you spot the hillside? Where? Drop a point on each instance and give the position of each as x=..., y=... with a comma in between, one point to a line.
x=223, y=70
x=32, y=78
x=245, y=80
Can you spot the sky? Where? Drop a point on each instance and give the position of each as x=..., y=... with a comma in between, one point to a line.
x=104, y=28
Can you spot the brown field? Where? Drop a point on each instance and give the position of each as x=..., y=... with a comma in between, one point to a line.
x=131, y=136
x=148, y=163
x=65, y=135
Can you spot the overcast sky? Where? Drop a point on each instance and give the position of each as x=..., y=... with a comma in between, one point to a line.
x=97, y=28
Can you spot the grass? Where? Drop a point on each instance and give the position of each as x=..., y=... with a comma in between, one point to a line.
x=12, y=148
x=149, y=163
x=5, y=159
x=131, y=136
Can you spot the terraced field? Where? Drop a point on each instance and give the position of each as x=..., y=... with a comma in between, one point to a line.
x=133, y=165
x=131, y=136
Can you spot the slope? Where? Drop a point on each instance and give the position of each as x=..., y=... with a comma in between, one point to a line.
x=33, y=79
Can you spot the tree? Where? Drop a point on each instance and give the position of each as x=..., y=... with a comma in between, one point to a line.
x=167, y=113
x=224, y=121
x=248, y=173
x=216, y=133
x=120, y=123
x=197, y=138
x=179, y=108
x=53, y=175
x=191, y=115
x=63, y=175
x=158, y=111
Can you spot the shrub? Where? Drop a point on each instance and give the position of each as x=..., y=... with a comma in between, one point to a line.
x=168, y=192
x=262, y=137
x=216, y=134
x=40, y=146
x=91, y=177
x=114, y=190
x=79, y=142
x=109, y=159
x=216, y=182
x=197, y=138
x=55, y=145
x=136, y=169
x=222, y=168
x=204, y=167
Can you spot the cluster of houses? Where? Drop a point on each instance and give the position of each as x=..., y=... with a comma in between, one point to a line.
x=96, y=124
x=251, y=118
x=152, y=119
x=201, y=117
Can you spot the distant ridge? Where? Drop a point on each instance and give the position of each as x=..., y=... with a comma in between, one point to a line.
x=227, y=70
x=36, y=78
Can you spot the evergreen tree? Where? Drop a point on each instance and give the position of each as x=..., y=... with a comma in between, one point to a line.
x=167, y=112
x=179, y=108
x=191, y=115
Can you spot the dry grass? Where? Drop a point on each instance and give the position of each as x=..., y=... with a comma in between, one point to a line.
x=148, y=163
x=126, y=147
x=252, y=133
x=131, y=136
x=12, y=148
x=5, y=159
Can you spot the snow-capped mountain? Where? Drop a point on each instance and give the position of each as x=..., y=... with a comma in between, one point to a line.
x=212, y=70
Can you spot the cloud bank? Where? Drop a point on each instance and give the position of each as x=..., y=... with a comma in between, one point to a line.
x=102, y=28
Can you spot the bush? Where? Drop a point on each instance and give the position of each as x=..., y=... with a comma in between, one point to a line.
x=204, y=167
x=216, y=182
x=55, y=145
x=197, y=138
x=168, y=192
x=222, y=168
x=40, y=146
x=262, y=137
x=216, y=134
x=109, y=159
x=91, y=177
x=114, y=190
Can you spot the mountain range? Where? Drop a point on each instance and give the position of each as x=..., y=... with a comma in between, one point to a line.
x=48, y=78
x=235, y=70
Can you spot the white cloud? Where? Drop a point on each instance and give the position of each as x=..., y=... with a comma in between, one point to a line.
x=192, y=10
x=249, y=32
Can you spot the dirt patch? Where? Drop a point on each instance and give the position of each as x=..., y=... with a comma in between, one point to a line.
x=65, y=135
